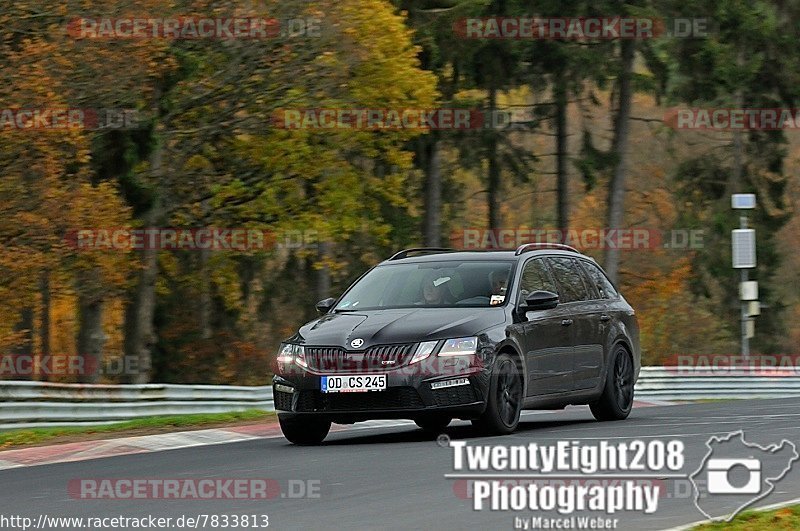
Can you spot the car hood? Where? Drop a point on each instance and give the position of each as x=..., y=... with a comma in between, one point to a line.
x=381, y=327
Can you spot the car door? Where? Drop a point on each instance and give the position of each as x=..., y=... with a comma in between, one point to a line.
x=546, y=340
x=583, y=314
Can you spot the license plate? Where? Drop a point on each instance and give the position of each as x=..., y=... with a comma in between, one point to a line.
x=353, y=384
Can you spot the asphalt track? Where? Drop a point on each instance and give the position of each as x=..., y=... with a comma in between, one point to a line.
x=389, y=475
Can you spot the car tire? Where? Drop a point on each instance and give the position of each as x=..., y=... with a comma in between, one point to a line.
x=617, y=399
x=304, y=431
x=434, y=425
x=504, y=404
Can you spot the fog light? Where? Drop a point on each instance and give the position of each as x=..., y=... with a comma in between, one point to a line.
x=450, y=383
x=284, y=388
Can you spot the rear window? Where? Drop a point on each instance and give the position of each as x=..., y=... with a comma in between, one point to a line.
x=601, y=283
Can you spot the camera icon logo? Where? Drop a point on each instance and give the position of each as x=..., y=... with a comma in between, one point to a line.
x=719, y=472
x=738, y=473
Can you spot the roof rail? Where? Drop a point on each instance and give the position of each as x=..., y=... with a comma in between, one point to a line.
x=429, y=250
x=524, y=248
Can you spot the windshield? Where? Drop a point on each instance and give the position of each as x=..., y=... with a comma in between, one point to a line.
x=430, y=284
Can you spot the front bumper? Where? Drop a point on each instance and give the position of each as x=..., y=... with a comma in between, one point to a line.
x=409, y=394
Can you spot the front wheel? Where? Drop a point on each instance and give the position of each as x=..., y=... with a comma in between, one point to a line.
x=505, y=398
x=304, y=431
x=617, y=399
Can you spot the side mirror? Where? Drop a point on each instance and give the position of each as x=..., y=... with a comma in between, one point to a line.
x=325, y=305
x=539, y=300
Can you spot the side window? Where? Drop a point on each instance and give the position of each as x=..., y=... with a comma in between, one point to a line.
x=569, y=279
x=604, y=286
x=536, y=278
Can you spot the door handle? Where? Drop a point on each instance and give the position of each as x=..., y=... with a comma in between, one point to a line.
x=566, y=322
x=605, y=318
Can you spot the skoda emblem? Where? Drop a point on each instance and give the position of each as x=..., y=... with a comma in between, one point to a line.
x=357, y=343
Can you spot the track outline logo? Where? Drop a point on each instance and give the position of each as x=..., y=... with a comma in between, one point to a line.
x=770, y=481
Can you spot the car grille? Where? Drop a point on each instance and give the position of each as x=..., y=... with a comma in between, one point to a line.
x=374, y=359
x=283, y=401
x=454, y=396
x=394, y=398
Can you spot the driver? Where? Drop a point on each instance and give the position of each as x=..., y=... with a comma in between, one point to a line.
x=434, y=289
x=499, y=281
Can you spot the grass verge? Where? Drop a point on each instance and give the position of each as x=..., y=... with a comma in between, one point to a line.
x=783, y=518
x=142, y=426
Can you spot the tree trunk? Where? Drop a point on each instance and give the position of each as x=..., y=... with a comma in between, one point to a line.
x=433, y=192
x=206, y=301
x=140, y=336
x=24, y=349
x=323, y=273
x=140, y=333
x=91, y=338
x=494, y=167
x=616, y=189
x=562, y=181
x=44, y=331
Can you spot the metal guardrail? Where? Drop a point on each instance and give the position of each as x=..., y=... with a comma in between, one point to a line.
x=24, y=390
x=682, y=383
x=50, y=404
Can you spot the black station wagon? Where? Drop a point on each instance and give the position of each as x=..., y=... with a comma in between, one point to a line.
x=437, y=334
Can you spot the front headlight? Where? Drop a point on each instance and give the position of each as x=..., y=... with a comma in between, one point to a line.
x=286, y=354
x=462, y=346
x=292, y=353
x=423, y=351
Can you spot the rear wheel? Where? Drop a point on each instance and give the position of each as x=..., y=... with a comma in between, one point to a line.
x=435, y=425
x=505, y=398
x=304, y=431
x=617, y=399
